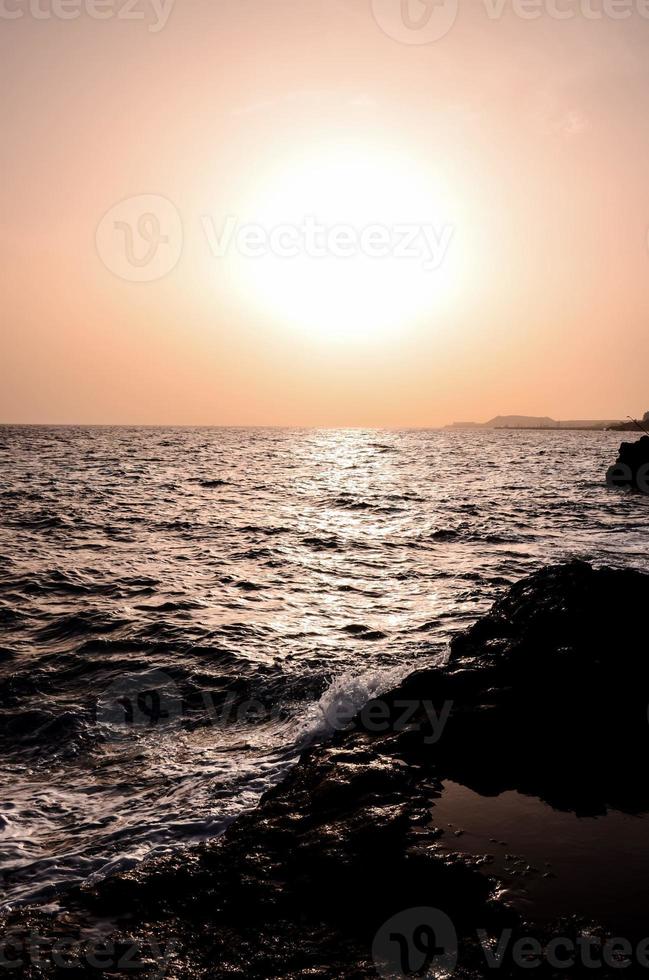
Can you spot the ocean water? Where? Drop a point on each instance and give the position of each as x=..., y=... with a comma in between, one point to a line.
x=183, y=610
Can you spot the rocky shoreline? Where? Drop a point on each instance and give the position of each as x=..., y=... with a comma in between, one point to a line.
x=546, y=696
x=631, y=469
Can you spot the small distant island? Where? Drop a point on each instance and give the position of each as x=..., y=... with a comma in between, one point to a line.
x=545, y=422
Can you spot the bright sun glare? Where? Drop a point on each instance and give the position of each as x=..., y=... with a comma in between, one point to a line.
x=348, y=244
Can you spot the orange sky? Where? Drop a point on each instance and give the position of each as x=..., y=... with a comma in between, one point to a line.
x=523, y=137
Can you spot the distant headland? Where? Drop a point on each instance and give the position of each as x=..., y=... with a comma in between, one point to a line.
x=545, y=422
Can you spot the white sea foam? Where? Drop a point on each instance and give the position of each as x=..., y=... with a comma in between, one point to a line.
x=343, y=699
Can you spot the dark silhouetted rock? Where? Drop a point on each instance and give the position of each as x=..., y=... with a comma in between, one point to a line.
x=631, y=470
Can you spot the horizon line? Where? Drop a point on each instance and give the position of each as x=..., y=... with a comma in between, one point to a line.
x=291, y=425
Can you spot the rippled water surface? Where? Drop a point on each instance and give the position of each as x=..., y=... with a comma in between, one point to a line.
x=183, y=609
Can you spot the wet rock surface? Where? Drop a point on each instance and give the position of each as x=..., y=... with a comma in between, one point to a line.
x=546, y=695
x=631, y=469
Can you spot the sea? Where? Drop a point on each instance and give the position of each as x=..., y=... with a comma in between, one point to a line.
x=184, y=610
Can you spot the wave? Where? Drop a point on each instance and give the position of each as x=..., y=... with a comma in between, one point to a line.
x=468, y=533
x=351, y=503
x=343, y=699
x=362, y=632
x=79, y=625
x=323, y=543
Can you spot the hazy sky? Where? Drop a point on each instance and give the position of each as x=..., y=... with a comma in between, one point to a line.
x=323, y=212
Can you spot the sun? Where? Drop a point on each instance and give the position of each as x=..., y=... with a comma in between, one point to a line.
x=347, y=243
